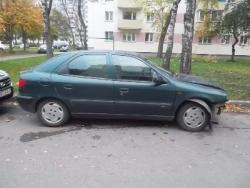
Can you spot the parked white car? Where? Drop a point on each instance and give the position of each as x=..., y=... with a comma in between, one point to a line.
x=3, y=46
x=64, y=48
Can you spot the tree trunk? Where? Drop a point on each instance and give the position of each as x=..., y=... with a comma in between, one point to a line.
x=24, y=39
x=9, y=35
x=187, y=38
x=170, y=42
x=84, y=27
x=163, y=35
x=68, y=18
x=46, y=19
x=233, y=46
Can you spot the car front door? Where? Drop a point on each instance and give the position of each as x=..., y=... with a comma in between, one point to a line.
x=84, y=84
x=134, y=91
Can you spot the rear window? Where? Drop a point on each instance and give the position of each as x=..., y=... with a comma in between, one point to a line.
x=52, y=63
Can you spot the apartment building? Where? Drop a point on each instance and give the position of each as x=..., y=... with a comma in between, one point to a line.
x=132, y=29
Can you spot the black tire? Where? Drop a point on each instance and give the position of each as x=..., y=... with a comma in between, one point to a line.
x=193, y=117
x=53, y=113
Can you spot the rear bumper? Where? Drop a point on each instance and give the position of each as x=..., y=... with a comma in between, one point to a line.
x=27, y=103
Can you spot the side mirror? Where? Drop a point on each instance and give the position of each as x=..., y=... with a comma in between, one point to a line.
x=158, y=80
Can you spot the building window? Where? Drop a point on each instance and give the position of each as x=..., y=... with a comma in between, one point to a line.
x=243, y=40
x=129, y=37
x=129, y=15
x=200, y=14
x=214, y=15
x=109, y=35
x=109, y=16
x=149, y=37
x=205, y=40
x=150, y=17
x=225, y=39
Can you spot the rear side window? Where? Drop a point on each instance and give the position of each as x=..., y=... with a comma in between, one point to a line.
x=89, y=65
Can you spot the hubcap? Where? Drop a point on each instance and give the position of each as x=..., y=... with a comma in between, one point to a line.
x=194, y=117
x=52, y=112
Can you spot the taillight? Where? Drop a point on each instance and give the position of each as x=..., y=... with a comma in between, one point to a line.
x=22, y=83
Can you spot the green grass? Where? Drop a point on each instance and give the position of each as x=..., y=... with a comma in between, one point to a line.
x=13, y=67
x=18, y=51
x=234, y=77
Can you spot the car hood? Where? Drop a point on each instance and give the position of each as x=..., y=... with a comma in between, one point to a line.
x=197, y=80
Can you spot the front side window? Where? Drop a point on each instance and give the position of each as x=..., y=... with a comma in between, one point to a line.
x=129, y=37
x=109, y=16
x=130, y=68
x=225, y=39
x=109, y=35
x=149, y=37
x=129, y=15
x=89, y=65
x=205, y=40
x=150, y=17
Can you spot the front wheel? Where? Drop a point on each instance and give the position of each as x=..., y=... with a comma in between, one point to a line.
x=193, y=117
x=53, y=113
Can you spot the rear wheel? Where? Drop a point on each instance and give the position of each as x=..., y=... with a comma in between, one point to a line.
x=193, y=117
x=53, y=113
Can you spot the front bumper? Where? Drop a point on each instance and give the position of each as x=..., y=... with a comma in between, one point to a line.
x=7, y=97
x=215, y=112
x=27, y=103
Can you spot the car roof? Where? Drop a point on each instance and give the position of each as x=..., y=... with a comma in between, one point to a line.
x=112, y=52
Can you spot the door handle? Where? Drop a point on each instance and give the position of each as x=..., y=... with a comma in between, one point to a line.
x=67, y=86
x=124, y=90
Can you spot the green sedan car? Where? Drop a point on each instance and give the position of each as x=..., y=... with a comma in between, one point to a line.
x=117, y=84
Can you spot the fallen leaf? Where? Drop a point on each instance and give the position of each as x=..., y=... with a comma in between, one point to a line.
x=229, y=107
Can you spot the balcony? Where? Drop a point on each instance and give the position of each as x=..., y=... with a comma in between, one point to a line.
x=128, y=5
x=129, y=24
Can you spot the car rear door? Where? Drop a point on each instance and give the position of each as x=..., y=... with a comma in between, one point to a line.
x=85, y=85
x=134, y=91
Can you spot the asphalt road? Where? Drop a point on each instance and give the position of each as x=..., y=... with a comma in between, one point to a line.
x=122, y=154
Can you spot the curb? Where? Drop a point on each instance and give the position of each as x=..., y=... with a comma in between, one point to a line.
x=240, y=103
